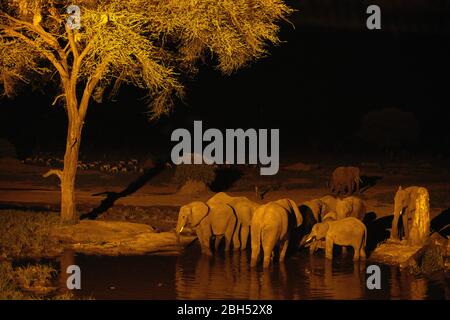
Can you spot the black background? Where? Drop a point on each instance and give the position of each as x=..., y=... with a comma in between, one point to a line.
x=315, y=87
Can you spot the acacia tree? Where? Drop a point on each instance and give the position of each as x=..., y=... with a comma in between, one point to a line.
x=151, y=44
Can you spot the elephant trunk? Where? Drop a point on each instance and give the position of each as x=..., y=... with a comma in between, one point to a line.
x=394, y=230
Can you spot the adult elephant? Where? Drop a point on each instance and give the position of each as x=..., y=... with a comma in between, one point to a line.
x=350, y=207
x=244, y=209
x=412, y=204
x=216, y=219
x=273, y=225
x=345, y=180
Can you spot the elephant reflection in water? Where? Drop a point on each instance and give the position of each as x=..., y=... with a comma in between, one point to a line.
x=336, y=284
x=225, y=277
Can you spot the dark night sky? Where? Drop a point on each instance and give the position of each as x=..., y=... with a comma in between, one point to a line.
x=315, y=88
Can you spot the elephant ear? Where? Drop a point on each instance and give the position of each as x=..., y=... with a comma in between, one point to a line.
x=198, y=211
x=298, y=215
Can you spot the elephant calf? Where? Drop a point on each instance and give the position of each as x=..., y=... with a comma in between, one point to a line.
x=344, y=232
x=272, y=226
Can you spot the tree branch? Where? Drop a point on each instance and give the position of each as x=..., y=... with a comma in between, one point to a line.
x=62, y=71
x=73, y=45
x=47, y=37
x=55, y=172
x=90, y=86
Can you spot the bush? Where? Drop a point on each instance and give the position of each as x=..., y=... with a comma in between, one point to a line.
x=27, y=234
x=195, y=172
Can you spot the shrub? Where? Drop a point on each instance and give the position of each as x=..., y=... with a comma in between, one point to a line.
x=195, y=172
x=27, y=234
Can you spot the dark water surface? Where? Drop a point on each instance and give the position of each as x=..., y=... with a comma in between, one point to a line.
x=194, y=276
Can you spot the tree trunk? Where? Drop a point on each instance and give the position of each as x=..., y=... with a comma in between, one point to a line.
x=68, y=208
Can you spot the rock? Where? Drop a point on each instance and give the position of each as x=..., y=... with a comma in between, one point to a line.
x=118, y=238
x=394, y=253
x=419, y=259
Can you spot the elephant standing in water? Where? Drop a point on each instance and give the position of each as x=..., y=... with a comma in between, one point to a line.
x=244, y=209
x=345, y=180
x=273, y=225
x=216, y=220
x=344, y=232
x=412, y=204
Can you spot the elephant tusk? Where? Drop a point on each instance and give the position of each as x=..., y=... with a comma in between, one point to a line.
x=181, y=230
x=309, y=240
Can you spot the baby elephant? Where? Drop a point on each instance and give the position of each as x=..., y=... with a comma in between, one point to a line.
x=344, y=232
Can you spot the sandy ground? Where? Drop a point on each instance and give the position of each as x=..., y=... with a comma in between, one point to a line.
x=23, y=186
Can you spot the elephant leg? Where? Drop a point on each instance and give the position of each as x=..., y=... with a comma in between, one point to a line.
x=394, y=229
x=356, y=254
x=329, y=249
x=245, y=230
x=405, y=225
x=236, y=242
x=228, y=238
x=284, y=246
x=268, y=247
x=256, y=245
x=204, y=239
x=362, y=253
x=255, y=255
x=217, y=241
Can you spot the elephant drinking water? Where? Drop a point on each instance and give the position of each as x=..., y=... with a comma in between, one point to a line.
x=217, y=220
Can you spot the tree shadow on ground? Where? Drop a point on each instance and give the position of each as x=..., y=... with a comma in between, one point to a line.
x=378, y=230
x=225, y=179
x=368, y=182
x=111, y=197
x=441, y=223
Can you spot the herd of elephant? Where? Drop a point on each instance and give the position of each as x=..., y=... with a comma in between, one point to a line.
x=318, y=223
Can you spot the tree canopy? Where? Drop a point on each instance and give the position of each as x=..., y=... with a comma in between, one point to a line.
x=151, y=44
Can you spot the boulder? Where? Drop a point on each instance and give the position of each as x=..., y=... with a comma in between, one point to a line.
x=117, y=238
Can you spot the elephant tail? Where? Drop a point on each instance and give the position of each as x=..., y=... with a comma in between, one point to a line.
x=364, y=240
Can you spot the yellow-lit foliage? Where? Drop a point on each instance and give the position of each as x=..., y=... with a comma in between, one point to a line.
x=146, y=43
x=151, y=44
